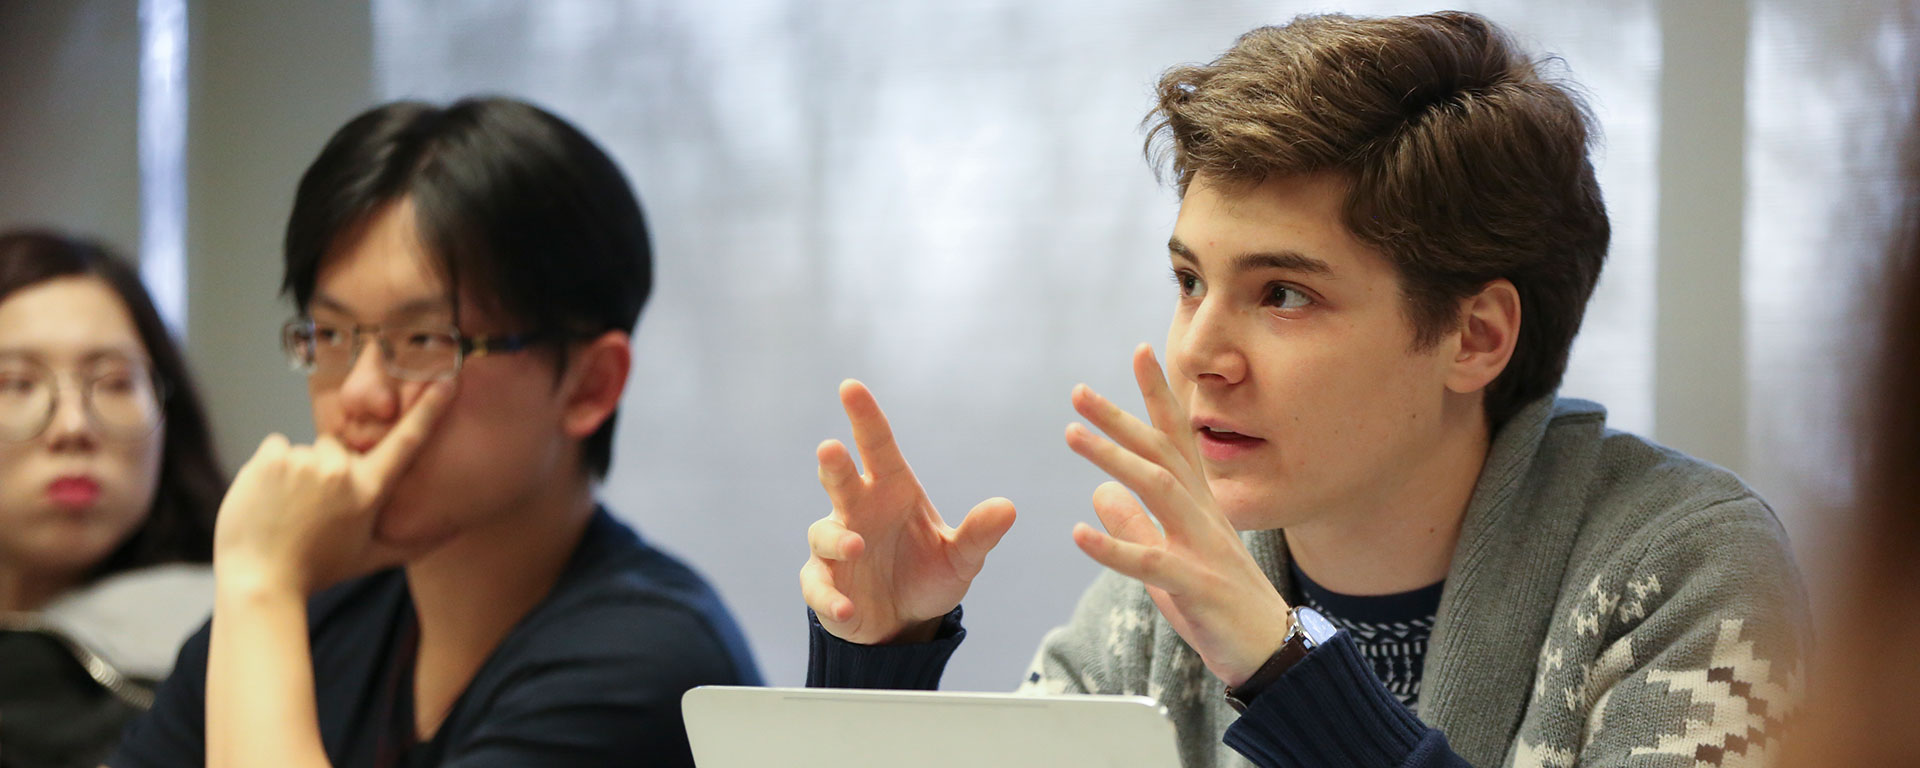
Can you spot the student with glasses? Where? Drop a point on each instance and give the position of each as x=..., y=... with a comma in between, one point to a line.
x=108, y=486
x=432, y=581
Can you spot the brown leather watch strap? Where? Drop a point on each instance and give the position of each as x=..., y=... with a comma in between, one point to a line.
x=1290, y=653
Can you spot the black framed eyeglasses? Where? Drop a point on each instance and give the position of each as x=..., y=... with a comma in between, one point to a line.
x=426, y=352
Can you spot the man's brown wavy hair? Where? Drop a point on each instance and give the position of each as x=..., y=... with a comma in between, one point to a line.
x=1464, y=164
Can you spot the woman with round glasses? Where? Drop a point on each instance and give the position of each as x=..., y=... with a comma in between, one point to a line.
x=108, y=486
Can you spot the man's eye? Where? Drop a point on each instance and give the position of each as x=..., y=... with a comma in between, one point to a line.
x=1285, y=296
x=327, y=335
x=1187, y=282
x=427, y=340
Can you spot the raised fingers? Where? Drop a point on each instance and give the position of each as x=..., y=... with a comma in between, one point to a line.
x=817, y=588
x=837, y=474
x=1168, y=415
x=1122, y=516
x=871, y=433
x=1151, y=565
x=1158, y=486
x=978, y=533
x=828, y=539
x=1130, y=432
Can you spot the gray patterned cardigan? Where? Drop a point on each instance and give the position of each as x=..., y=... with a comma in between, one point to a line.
x=1611, y=603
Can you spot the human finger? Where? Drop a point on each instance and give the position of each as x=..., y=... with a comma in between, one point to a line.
x=1158, y=486
x=871, y=432
x=818, y=590
x=1130, y=432
x=837, y=474
x=828, y=539
x=387, y=460
x=1153, y=566
x=1169, y=416
x=271, y=447
x=329, y=450
x=979, y=532
x=1122, y=515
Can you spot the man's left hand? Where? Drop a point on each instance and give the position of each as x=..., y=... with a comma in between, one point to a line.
x=1193, y=563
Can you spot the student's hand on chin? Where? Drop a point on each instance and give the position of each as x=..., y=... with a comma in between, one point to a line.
x=300, y=518
x=883, y=566
x=1196, y=569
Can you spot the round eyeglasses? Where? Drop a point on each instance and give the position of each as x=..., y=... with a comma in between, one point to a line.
x=120, y=399
x=427, y=352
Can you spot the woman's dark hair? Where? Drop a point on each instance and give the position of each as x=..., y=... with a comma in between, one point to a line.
x=179, y=526
x=510, y=201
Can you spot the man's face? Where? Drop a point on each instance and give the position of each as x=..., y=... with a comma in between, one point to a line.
x=499, y=440
x=1292, y=352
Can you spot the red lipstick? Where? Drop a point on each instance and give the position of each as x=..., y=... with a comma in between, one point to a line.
x=73, y=492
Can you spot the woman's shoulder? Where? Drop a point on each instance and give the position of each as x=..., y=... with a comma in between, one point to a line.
x=137, y=619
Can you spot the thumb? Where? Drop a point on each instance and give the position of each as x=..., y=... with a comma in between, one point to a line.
x=978, y=533
x=375, y=473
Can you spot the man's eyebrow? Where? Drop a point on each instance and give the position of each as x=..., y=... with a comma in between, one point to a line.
x=1182, y=252
x=420, y=306
x=1292, y=261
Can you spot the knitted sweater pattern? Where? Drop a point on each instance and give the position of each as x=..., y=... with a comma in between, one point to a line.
x=1610, y=602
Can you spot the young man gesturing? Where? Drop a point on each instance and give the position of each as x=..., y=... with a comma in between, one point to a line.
x=1366, y=532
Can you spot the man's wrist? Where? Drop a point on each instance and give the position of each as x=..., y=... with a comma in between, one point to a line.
x=916, y=633
x=1306, y=630
x=252, y=582
x=1272, y=646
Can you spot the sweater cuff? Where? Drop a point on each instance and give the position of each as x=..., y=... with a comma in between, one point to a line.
x=836, y=663
x=1328, y=710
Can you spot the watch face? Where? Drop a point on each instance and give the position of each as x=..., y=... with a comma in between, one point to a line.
x=1314, y=626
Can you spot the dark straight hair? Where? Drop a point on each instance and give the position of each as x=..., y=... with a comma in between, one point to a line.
x=513, y=204
x=179, y=526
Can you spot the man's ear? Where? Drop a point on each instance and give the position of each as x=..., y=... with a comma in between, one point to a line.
x=597, y=377
x=1489, y=328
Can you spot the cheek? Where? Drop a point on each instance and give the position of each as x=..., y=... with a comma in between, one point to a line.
x=14, y=478
x=146, y=465
x=1389, y=398
x=490, y=434
x=131, y=476
x=1347, y=387
x=325, y=407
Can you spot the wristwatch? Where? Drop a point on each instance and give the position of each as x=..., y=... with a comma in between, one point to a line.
x=1309, y=631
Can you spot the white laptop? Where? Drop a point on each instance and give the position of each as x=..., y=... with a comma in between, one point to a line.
x=736, y=727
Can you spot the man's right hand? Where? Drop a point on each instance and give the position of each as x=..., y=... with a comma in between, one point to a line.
x=884, y=567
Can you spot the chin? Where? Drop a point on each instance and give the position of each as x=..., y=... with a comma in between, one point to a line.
x=1249, y=507
x=412, y=529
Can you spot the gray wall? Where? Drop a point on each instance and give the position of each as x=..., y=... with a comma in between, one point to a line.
x=69, y=116
x=268, y=83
